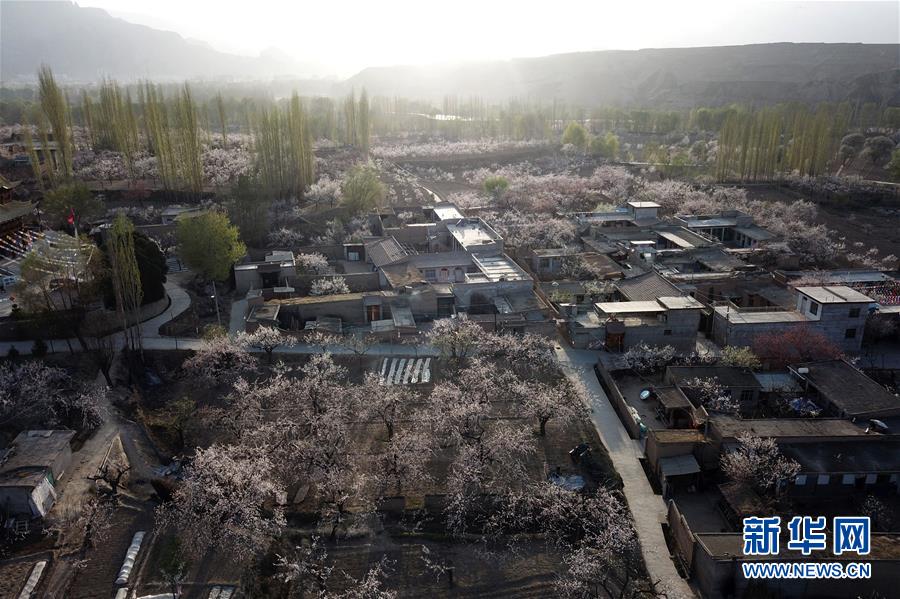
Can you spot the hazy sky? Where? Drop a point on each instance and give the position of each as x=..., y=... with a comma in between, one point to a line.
x=346, y=36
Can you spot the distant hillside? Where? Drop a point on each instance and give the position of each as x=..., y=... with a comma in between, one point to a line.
x=672, y=78
x=85, y=44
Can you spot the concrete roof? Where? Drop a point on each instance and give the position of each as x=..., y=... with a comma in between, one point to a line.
x=684, y=302
x=636, y=204
x=729, y=427
x=447, y=212
x=676, y=239
x=678, y=465
x=629, y=307
x=838, y=294
x=729, y=376
x=472, y=232
x=743, y=317
x=500, y=268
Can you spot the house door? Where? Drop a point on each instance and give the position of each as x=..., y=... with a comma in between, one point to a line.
x=373, y=313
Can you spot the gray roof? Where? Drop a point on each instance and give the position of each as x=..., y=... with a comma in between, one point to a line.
x=837, y=294
x=31, y=454
x=647, y=287
x=875, y=454
x=729, y=427
x=730, y=376
x=385, y=251
x=850, y=390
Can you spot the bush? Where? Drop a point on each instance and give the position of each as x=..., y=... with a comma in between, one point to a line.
x=213, y=331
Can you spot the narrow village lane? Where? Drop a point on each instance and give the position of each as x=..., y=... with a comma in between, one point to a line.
x=647, y=508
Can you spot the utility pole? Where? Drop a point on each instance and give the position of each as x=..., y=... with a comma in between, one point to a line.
x=215, y=298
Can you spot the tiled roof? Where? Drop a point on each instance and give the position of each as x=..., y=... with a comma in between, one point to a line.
x=646, y=287
x=385, y=251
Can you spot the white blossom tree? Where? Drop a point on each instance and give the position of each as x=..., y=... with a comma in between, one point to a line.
x=227, y=500
x=455, y=338
x=561, y=400
x=314, y=263
x=758, y=462
x=711, y=394
x=267, y=339
x=220, y=360
x=336, y=285
x=528, y=355
x=646, y=358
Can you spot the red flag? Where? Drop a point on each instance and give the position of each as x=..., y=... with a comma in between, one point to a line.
x=71, y=217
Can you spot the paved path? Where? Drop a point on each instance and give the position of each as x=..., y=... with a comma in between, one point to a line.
x=179, y=301
x=648, y=509
x=238, y=316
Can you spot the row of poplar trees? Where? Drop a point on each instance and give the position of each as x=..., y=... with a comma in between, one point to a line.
x=169, y=128
x=766, y=144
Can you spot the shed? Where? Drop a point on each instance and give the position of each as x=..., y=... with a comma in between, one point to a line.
x=30, y=470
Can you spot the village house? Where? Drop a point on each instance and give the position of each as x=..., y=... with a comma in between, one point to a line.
x=838, y=312
x=842, y=390
x=30, y=471
x=273, y=271
x=618, y=326
x=731, y=227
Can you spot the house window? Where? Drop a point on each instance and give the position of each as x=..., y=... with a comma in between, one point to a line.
x=848, y=479
x=746, y=395
x=850, y=334
x=854, y=313
x=871, y=479
x=800, y=480
x=545, y=263
x=813, y=308
x=823, y=479
x=429, y=274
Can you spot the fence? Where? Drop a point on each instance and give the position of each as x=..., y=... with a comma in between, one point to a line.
x=618, y=401
x=682, y=536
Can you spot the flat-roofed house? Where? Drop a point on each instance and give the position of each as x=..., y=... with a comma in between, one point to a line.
x=838, y=312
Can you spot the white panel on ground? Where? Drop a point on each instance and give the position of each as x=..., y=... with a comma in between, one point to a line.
x=400, y=368
x=426, y=376
x=417, y=371
x=390, y=376
x=33, y=579
x=409, y=371
x=384, y=363
x=130, y=557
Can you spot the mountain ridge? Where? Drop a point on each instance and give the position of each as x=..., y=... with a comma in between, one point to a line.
x=87, y=44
